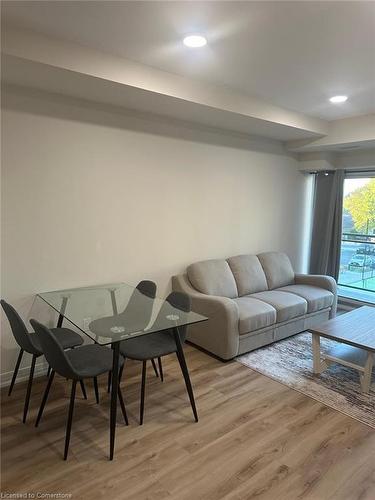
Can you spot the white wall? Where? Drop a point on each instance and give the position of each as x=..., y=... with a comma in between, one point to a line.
x=52, y=64
x=92, y=196
x=361, y=159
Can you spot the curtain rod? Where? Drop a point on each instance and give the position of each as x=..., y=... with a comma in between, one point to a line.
x=364, y=170
x=346, y=170
x=315, y=172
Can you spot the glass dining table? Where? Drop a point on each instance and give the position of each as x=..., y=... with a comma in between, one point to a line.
x=104, y=315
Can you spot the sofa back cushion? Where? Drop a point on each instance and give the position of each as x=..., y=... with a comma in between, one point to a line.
x=213, y=277
x=277, y=268
x=248, y=273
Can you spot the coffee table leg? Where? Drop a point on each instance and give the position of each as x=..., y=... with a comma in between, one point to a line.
x=316, y=353
x=366, y=376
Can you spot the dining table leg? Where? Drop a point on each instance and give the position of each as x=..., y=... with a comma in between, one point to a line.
x=62, y=312
x=185, y=371
x=114, y=391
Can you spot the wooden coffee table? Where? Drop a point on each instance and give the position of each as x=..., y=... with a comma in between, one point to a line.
x=355, y=334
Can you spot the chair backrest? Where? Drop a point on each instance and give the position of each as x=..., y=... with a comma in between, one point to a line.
x=147, y=287
x=178, y=300
x=53, y=351
x=19, y=329
x=136, y=315
x=139, y=308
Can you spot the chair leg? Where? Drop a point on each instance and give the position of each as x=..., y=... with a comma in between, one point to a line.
x=161, y=370
x=48, y=371
x=154, y=367
x=96, y=389
x=185, y=372
x=29, y=385
x=16, y=368
x=109, y=377
x=70, y=418
x=81, y=383
x=123, y=409
x=109, y=382
x=121, y=372
x=44, y=399
x=143, y=388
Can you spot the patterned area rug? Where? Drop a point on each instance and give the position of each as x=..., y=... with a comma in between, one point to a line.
x=290, y=363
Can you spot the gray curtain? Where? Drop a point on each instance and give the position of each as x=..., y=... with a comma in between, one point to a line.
x=327, y=223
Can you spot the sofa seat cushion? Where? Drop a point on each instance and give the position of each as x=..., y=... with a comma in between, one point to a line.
x=248, y=273
x=287, y=305
x=317, y=298
x=213, y=277
x=277, y=268
x=254, y=314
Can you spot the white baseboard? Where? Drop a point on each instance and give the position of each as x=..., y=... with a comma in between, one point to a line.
x=348, y=304
x=23, y=374
x=41, y=367
x=345, y=307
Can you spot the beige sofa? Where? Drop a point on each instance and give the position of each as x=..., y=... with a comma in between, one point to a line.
x=253, y=300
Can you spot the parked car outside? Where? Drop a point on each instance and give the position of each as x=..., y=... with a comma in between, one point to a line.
x=361, y=260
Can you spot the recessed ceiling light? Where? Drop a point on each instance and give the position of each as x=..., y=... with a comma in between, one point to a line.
x=195, y=41
x=338, y=98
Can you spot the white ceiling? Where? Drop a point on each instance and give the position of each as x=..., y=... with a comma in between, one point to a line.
x=291, y=54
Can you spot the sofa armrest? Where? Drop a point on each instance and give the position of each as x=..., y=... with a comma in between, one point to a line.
x=219, y=335
x=321, y=281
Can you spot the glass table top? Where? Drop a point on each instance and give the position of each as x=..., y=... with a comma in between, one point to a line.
x=118, y=311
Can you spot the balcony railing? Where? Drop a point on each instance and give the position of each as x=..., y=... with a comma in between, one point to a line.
x=357, y=264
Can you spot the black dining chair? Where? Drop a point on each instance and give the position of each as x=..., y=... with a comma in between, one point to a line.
x=138, y=312
x=158, y=344
x=29, y=342
x=88, y=361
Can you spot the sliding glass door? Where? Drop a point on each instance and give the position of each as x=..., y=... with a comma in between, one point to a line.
x=357, y=264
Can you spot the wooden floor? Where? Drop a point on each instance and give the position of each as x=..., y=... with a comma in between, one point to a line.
x=255, y=439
